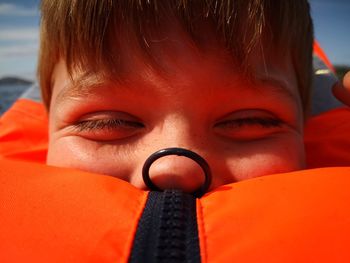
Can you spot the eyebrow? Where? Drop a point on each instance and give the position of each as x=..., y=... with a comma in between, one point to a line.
x=84, y=87
x=277, y=86
x=79, y=89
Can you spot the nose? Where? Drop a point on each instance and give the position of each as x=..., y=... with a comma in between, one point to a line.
x=177, y=168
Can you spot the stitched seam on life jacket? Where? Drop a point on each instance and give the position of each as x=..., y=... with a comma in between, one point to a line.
x=202, y=230
x=118, y=252
x=138, y=209
x=145, y=240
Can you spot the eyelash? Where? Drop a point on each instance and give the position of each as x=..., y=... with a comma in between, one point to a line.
x=251, y=121
x=118, y=123
x=106, y=123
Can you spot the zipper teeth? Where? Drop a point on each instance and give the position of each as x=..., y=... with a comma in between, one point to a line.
x=167, y=230
x=173, y=228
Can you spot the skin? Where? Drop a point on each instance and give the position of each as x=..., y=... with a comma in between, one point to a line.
x=196, y=99
x=342, y=90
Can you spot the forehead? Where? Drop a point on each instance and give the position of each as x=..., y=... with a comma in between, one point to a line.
x=215, y=87
x=172, y=56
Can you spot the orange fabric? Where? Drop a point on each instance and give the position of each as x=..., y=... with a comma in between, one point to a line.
x=322, y=55
x=60, y=215
x=327, y=139
x=23, y=132
x=53, y=214
x=297, y=217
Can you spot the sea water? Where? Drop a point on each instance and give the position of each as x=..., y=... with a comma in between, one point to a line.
x=8, y=95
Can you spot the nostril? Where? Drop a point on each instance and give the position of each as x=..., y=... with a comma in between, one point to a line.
x=177, y=168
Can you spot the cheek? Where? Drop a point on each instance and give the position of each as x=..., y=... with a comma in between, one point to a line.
x=75, y=152
x=276, y=156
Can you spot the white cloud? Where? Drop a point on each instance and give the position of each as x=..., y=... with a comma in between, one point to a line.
x=19, y=34
x=7, y=9
x=19, y=50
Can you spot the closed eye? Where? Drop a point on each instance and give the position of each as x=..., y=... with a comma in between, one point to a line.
x=264, y=122
x=249, y=128
x=107, y=129
x=88, y=125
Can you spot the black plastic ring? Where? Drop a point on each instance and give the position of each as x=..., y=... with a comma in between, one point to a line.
x=180, y=152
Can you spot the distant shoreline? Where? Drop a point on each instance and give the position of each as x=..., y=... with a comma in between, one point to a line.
x=14, y=81
x=10, y=92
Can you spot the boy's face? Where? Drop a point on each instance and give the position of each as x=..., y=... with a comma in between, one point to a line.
x=196, y=99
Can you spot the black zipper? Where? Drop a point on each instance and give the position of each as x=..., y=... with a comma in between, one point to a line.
x=167, y=230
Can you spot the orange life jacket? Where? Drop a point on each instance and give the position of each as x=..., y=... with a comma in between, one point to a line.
x=62, y=215
x=24, y=132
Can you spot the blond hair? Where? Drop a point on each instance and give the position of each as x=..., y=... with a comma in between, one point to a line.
x=79, y=31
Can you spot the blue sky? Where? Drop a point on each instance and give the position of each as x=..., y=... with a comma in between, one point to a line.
x=19, y=30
